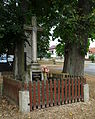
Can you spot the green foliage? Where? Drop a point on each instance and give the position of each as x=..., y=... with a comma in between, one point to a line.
x=86, y=49
x=71, y=22
x=11, y=25
x=74, y=22
x=60, y=49
x=48, y=55
x=42, y=44
x=92, y=58
x=12, y=18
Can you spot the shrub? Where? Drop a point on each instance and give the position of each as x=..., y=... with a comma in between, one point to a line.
x=92, y=58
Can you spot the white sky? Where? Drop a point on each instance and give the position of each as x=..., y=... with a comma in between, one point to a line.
x=53, y=42
x=92, y=44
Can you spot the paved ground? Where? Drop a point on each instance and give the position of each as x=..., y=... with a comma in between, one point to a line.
x=89, y=68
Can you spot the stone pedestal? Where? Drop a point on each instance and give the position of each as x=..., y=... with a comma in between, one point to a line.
x=36, y=72
x=86, y=92
x=24, y=101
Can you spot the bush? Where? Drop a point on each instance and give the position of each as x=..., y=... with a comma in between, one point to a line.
x=92, y=58
x=48, y=55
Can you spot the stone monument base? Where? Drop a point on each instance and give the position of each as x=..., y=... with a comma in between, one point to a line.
x=36, y=72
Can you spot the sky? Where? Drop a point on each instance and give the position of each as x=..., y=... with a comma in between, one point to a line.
x=92, y=44
x=53, y=42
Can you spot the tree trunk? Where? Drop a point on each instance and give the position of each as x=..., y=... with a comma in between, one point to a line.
x=73, y=62
x=19, y=61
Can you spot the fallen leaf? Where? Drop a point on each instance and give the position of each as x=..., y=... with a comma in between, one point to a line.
x=70, y=113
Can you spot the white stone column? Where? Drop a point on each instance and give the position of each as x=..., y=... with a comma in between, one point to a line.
x=34, y=44
x=86, y=92
x=24, y=101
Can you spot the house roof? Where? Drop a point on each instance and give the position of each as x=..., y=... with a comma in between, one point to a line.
x=52, y=47
x=92, y=50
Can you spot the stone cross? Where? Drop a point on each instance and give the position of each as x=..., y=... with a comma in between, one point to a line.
x=33, y=30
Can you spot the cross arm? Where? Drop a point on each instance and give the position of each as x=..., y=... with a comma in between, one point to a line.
x=28, y=28
x=39, y=29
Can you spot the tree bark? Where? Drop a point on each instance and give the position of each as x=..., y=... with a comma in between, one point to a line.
x=73, y=62
x=19, y=61
x=19, y=73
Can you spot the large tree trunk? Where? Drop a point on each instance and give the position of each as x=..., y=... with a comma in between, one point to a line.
x=19, y=73
x=19, y=61
x=73, y=62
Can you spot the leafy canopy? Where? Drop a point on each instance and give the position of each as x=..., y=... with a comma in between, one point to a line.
x=16, y=13
x=70, y=21
x=60, y=49
x=73, y=20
